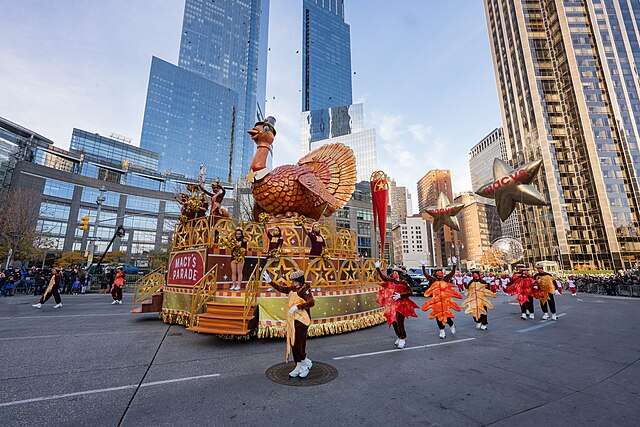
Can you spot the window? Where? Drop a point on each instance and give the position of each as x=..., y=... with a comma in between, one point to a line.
x=364, y=215
x=60, y=189
x=90, y=195
x=54, y=211
x=364, y=228
x=143, y=204
x=54, y=228
x=140, y=222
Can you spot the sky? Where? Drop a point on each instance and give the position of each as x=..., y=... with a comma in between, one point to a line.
x=423, y=70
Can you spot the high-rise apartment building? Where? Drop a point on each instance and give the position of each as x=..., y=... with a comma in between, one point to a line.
x=199, y=111
x=481, y=156
x=567, y=78
x=397, y=203
x=326, y=55
x=429, y=188
x=479, y=226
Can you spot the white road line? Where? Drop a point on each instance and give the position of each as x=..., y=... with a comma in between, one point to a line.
x=353, y=356
x=104, y=390
x=540, y=325
x=73, y=335
x=66, y=315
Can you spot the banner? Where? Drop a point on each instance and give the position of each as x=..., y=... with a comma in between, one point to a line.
x=379, y=196
x=186, y=268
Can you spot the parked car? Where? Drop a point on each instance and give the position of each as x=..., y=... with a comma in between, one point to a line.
x=418, y=284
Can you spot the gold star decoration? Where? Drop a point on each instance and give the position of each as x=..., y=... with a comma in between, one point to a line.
x=510, y=186
x=444, y=213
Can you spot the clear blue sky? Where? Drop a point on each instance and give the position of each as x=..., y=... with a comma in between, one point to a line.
x=423, y=70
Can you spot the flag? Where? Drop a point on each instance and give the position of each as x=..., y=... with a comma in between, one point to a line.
x=379, y=194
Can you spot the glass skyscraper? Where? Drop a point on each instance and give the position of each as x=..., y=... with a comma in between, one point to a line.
x=566, y=72
x=213, y=96
x=326, y=55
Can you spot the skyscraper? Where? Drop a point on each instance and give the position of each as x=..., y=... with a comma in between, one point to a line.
x=481, y=158
x=326, y=55
x=397, y=203
x=479, y=226
x=567, y=77
x=199, y=111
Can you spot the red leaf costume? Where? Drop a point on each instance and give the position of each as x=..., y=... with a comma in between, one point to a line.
x=522, y=287
x=441, y=302
x=404, y=305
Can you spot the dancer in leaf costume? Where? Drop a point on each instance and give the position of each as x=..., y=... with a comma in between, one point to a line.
x=544, y=290
x=477, y=301
x=441, y=302
x=394, y=297
x=521, y=286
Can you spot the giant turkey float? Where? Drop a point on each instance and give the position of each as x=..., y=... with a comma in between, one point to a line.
x=195, y=288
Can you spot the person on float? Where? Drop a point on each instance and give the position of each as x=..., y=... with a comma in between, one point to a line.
x=117, y=285
x=274, y=236
x=521, y=284
x=318, y=242
x=482, y=321
x=238, y=248
x=52, y=289
x=399, y=302
x=546, y=284
x=300, y=301
x=439, y=276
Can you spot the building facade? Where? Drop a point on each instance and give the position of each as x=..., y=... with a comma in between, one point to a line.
x=566, y=76
x=481, y=156
x=479, y=226
x=199, y=111
x=326, y=55
x=413, y=241
x=430, y=186
x=398, y=203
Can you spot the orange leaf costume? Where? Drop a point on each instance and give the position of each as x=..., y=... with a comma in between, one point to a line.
x=477, y=301
x=441, y=302
x=545, y=287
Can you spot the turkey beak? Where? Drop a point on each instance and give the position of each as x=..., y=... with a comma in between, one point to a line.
x=253, y=132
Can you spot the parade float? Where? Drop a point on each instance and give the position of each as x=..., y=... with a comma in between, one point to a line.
x=194, y=289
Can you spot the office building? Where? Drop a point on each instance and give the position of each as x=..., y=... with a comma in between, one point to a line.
x=199, y=110
x=413, y=241
x=566, y=73
x=398, y=203
x=326, y=55
x=481, y=157
x=479, y=226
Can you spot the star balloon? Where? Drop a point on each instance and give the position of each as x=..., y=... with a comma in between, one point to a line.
x=444, y=213
x=511, y=186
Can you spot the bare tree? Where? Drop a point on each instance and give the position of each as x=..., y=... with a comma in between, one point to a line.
x=18, y=217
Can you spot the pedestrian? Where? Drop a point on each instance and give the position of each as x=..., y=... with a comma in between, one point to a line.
x=441, y=290
x=10, y=284
x=116, y=287
x=52, y=289
x=394, y=297
x=300, y=301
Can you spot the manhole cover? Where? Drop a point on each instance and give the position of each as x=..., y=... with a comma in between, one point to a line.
x=320, y=373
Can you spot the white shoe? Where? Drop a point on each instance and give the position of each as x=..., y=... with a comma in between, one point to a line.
x=483, y=327
x=554, y=317
x=114, y=302
x=478, y=325
x=58, y=305
x=545, y=316
x=38, y=305
x=442, y=334
x=401, y=343
x=304, y=372
x=532, y=316
x=523, y=316
x=299, y=368
x=120, y=302
x=452, y=328
x=395, y=343
x=307, y=362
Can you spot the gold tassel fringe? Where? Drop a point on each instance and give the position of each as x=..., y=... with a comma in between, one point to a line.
x=332, y=328
x=176, y=318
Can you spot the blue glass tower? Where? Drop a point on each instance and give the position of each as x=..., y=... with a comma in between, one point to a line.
x=326, y=50
x=199, y=110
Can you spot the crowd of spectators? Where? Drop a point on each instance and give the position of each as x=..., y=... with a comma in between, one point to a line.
x=34, y=280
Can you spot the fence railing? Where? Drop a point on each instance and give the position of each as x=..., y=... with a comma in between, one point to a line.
x=621, y=289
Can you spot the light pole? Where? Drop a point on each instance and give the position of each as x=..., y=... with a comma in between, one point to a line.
x=92, y=243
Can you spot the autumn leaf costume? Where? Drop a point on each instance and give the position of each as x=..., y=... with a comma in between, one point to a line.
x=544, y=289
x=477, y=302
x=442, y=302
x=394, y=297
x=521, y=286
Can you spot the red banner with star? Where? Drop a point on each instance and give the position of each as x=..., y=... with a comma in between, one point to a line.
x=379, y=196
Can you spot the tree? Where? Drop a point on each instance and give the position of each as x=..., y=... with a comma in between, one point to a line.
x=158, y=258
x=115, y=257
x=70, y=258
x=18, y=217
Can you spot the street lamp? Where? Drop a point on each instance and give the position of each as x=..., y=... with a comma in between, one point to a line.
x=92, y=243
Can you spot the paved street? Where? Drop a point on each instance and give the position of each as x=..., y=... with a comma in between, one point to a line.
x=91, y=363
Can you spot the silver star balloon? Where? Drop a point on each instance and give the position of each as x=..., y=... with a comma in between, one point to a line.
x=510, y=186
x=444, y=213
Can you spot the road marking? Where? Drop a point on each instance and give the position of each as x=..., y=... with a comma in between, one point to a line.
x=73, y=335
x=105, y=390
x=353, y=356
x=540, y=325
x=66, y=315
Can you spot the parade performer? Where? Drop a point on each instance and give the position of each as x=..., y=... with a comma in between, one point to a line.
x=477, y=301
x=441, y=302
x=116, y=287
x=274, y=236
x=238, y=245
x=572, y=285
x=458, y=280
x=521, y=285
x=317, y=241
x=298, y=319
x=544, y=290
x=217, y=196
x=52, y=289
x=394, y=297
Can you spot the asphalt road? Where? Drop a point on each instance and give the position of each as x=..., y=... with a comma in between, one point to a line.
x=91, y=363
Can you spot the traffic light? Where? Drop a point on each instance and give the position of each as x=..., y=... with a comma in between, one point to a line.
x=84, y=223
